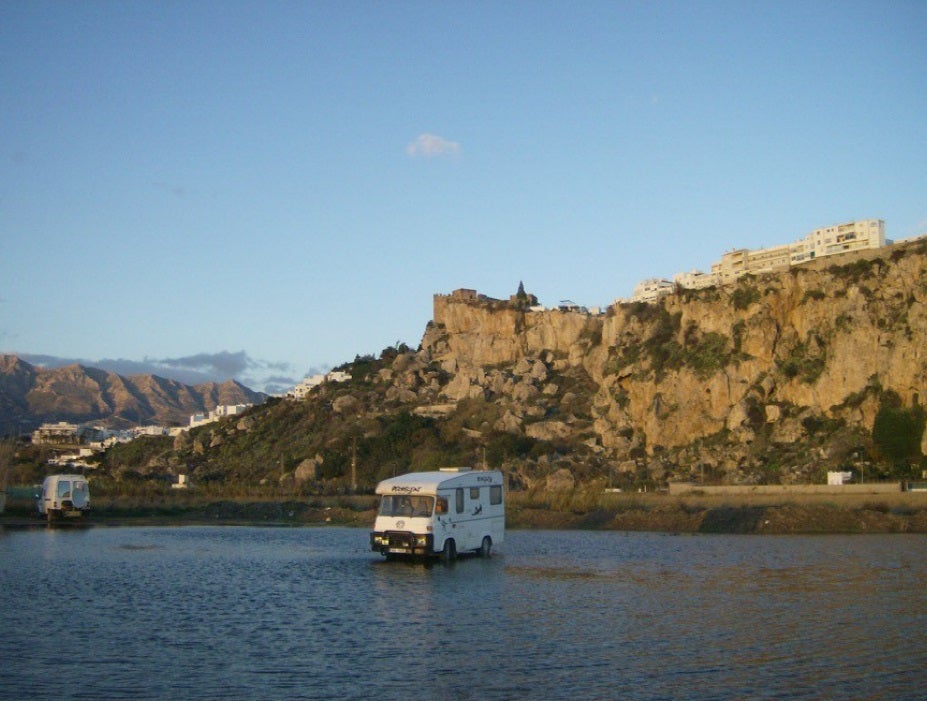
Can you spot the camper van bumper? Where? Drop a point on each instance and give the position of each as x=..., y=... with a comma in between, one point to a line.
x=401, y=543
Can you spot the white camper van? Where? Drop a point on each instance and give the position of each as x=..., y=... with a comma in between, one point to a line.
x=441, y=513
x=64, y=495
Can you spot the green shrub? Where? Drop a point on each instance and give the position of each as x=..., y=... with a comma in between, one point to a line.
x=843, y=322
x=816, y=295
x=501, y=447
x=737, y=334
x=661, y=346
x=744, y=296
x=708, y=356
x=645, y=311
x=897, y=431
x=802, y=366
x=856, y=271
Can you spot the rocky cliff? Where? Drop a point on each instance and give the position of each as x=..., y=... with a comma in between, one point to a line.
x=775, y=379
x=31, y=395
x=780, y=372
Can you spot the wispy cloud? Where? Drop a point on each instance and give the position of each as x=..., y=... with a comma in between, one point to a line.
x=222, y=363
x=432, y=146
x=176, y=190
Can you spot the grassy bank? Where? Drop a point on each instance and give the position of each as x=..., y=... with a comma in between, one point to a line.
x=896, y=513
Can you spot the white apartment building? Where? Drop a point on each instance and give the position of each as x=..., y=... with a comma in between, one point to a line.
x=695, y=280
x=54, y=434
x=304, y=387
x=222, y=410
x=652, y=289
x=229, y=409
x=307, y=385
x=820, y=243
x=841, y=238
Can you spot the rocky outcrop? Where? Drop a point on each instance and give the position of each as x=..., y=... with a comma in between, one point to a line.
x=774, y=379
x=711, y=379
x=469, y=334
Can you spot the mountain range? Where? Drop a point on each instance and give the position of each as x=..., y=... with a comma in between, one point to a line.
x=31, y=395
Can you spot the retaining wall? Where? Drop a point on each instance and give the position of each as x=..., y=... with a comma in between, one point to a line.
x=683, y=488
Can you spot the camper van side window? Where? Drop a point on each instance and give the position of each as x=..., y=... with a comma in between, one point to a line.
x=475, y=493
x=459, y=499
x=495, y=494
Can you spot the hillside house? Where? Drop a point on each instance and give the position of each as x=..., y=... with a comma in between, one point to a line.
x=219, y=412
x=301, y=390
x=61, y=433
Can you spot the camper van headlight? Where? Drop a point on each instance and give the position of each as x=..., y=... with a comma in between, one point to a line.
x=421, y=540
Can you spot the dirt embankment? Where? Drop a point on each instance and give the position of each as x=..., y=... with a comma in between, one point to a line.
x=276, y=513
x=903, y=513
x=353, y=511
x=784, y=519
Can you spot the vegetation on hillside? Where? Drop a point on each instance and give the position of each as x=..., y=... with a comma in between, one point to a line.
x=761, y=382
x=896, y=435
x=343, y=432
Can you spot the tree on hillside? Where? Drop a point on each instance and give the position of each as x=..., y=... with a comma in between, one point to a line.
x=7, y=451
x=522, y=299
x=897, y=432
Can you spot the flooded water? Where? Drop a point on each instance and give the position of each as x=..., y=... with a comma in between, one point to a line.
x=310, y=613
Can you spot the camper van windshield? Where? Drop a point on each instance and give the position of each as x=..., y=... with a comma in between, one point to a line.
x=396, y=505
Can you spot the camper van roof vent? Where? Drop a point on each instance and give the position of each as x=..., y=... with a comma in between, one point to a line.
x=456, y=469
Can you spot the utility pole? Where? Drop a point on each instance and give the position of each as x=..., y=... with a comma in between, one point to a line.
x=354, y=464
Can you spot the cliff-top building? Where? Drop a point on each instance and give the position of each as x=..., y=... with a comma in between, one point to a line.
x=652, y=289
x=820, y=243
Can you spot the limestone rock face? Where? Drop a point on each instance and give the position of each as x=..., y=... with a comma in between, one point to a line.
x=561, y=480
x=344, y=404
x=548, y=430
x=308, y=469
x=712, y=376
x=467, y=334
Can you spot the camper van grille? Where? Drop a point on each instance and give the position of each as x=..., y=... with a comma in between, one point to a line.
x=399, y=540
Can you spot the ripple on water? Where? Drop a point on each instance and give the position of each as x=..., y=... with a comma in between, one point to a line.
x=240, y=613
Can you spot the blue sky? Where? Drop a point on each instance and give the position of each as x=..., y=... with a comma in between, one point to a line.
x=261, y=190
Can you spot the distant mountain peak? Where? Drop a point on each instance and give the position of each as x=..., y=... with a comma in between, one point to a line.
x=31, y=395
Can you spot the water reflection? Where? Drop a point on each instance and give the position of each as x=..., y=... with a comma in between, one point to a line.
x=239, y=613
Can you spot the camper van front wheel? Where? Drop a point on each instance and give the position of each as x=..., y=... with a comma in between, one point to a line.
x=486, y=547
x=450, y=550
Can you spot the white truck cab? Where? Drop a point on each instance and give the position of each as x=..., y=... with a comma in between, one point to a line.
x=64, y=496
x=440, y=513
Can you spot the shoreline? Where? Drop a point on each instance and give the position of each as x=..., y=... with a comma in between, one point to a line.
x=660, y=513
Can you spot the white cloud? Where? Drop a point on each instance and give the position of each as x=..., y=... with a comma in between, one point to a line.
x=432, y=146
